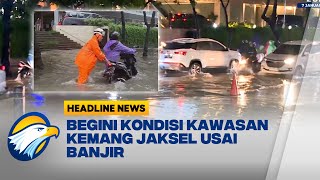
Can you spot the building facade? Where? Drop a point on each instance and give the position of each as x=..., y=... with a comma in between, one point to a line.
x=248, y=11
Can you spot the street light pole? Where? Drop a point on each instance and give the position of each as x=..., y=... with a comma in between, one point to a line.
x=284, y=16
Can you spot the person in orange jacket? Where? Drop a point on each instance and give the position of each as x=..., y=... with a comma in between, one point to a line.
x=88, y=56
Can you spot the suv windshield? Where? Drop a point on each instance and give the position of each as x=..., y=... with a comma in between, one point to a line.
x=175, y=45
x=288, y=49
x=290, y=20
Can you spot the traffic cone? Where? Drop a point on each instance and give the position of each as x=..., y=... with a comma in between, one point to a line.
x=234, y=86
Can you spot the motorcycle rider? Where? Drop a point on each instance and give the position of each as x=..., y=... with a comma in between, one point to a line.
x=114, y=48
x=88, y=55
x=249, y=53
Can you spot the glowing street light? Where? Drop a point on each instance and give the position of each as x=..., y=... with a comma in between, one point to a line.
x=284, y=16
x=215, y=25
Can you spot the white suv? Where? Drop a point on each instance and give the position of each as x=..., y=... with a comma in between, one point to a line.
x=292, y=57
x=196, y=55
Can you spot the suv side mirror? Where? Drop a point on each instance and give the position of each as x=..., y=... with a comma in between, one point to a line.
x=306, y=53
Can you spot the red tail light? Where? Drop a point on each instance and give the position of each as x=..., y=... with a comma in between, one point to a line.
x=161, y=51
x=2, y=68
x=184, y=19
x=181, y=52
x=172, y=20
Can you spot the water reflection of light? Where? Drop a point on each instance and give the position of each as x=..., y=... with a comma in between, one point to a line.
x=242, y=98
x=180, y=101
x=180, y=107
x=289, y=93
x=180, y=88
x=112, y=95
x=152, y=104
x=152, y=101
x=243, y=79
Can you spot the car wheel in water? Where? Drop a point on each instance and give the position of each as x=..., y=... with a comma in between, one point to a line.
x=195, y=68
x=256, y=67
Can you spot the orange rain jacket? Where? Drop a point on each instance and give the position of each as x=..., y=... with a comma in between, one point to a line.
x=89, y=53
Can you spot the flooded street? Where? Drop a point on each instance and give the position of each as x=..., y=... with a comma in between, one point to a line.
x=60, y=73
x=207, y=96
x=217, y=135
x=182, y=97
x=203, y=97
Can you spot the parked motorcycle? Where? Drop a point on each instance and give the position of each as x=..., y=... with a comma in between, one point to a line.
x=121, y=71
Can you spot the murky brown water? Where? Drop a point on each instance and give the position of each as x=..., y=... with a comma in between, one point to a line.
x=60, y=73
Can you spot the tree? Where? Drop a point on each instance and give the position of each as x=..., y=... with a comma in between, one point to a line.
x=129, y=3
x=272, y=20
x=92, y=3
x=109, y=3
x=7, y=7
x=158, y=6
x=224, y=7
x=212, y=17
x=193, y=5
x=148, y=25
x=123, y=27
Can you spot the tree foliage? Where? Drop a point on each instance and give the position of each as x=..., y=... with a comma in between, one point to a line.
x=100, y=3
x=224, y=7
x=271, y=20
x=149, y=26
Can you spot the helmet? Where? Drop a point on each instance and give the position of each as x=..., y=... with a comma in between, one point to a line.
x=114, y=36
x=99, y=31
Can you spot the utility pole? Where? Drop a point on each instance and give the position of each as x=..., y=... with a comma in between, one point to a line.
x=7, y=7
x=123, y=27
x=284, y=16
x=193, y=5
x=149, y=26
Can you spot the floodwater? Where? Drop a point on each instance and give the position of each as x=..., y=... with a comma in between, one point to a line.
x=180, y=97
x=60, y=73
x=206, y=96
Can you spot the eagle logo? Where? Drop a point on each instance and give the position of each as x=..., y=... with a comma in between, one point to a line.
x=30, y=135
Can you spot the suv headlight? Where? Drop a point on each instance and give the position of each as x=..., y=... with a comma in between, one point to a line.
x=289, y=61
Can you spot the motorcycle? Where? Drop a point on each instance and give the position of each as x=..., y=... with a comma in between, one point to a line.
x=121, y=71
x=250, y=59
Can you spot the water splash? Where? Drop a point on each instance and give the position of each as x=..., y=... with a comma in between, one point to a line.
x=71, y=82
x=120, y=86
